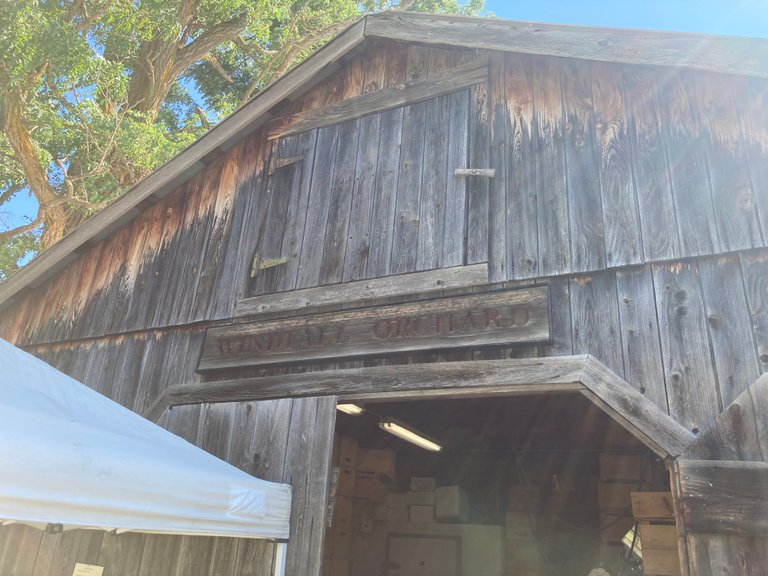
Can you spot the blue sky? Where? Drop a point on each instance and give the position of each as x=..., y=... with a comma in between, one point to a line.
x=732, y=17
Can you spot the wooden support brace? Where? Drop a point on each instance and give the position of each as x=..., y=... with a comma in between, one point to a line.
x=466, y=172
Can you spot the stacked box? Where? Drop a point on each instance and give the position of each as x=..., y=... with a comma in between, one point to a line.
x=654, y=511
x=422, y=498
x=421, y=514
x=523, y=557
x=451, y=505
x=620, y=475
x=376, y=461
x=423, y=484
x=397, y=507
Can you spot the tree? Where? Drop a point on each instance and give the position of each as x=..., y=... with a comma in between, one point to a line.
x=95, y=94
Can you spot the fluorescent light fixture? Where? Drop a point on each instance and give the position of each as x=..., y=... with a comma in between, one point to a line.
x=351, y=409
x=405, y=432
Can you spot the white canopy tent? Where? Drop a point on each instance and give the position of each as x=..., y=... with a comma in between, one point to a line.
x=71, y=456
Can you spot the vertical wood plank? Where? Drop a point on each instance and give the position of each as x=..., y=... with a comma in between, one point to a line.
x=685, y=145
x=385, y=194
x=342, y=186
x=561, y=329
x=359, y=238
x=729, y=328
x=296, y=217
x=454, y=225
x=595, y=314
x=209, y=275
x=308, y=461
x=641, y=347
x=584, y=202
x=755, y=272
x=690, y=377
x=752, y=105
x=317, y=211
x=231, y=282
x=649, y=164
x=18, y=549
x=478, y=188
x=406, y=231
x=497, y=208
x=551, y=196
x=521, y=229
x=623, y=244
x=434, y=180
x=123, y=550
x=733, y=198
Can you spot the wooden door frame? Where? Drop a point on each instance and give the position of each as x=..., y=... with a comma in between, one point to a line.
x=578, y=374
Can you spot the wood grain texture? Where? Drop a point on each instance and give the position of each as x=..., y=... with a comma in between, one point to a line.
x=521, y=214
x=752, y=108
x=724, y=497
x=685, y=144
x=497, y=198
x=729, y=332
x=595, y=317
x=740, y=432
x=634, y=411
x=653, y=187
x=551, y=195
x=528, y=373
x=581, y=163
x=640, y=343
x=725, y=54
x=619, y=207
x=755, y=272
x=477, y=188
x=362, y=290
x=692, y=389
x=732, y=194
x=518, y=316
x=416, y=90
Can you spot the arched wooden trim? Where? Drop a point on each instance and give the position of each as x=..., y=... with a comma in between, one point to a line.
x=577, y=374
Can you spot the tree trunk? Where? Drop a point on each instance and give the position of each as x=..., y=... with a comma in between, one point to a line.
x=52, y=212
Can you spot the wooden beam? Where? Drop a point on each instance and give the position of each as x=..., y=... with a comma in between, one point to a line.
x=445, y=82
x=482, y=172
x=540, y=375
x=728, y=54
x=724, y=497
x=359, y=291
x=634, y=412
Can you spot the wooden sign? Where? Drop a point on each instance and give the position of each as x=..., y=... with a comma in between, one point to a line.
x=494, y=318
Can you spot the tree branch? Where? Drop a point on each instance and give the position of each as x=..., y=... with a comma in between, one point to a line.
x=5, y=234
x=207, y=41
x=10, y=191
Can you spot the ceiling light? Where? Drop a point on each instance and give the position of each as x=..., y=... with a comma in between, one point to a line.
x=351, y=409
x=409, y=434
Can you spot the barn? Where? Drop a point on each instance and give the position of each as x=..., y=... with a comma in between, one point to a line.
x=535, y=252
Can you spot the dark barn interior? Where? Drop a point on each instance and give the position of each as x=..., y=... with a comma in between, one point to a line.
x=523, y=485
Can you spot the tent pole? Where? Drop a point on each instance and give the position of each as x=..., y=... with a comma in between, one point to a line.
x=280, y=553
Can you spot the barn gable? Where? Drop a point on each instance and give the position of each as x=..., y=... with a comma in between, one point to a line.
x=628, y=177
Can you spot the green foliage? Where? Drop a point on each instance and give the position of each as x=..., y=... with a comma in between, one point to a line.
x=106, y=92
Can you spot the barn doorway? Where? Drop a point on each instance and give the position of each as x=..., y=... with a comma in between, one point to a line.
x=523, y=485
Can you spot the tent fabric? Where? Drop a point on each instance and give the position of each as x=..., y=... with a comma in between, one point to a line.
x=71, y=456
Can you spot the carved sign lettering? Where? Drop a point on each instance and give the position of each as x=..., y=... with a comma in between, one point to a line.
x=496, y=318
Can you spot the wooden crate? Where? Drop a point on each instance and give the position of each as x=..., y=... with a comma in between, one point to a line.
x=655, y=513
x=653, y=506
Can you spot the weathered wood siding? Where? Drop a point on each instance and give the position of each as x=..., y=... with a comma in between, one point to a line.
x=639, y=194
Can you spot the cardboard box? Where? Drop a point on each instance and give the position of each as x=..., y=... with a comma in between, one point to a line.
x=371, y=487
x=347, y=452
x=397, y=514
x=346, y=482
x=420, y=498
x=380, y=513
x=615, y=496
x=421, y=514
x=361, y=544
x=422, y=483
x=376, y=461
x=523, y=498
x=342, y=542
x=339, y=567
x=451, y=505
x=397, y=500
x=342, y=513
